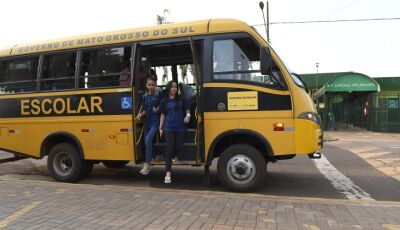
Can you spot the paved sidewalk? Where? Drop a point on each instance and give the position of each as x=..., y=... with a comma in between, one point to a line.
x=381, y=150
x=50, y=205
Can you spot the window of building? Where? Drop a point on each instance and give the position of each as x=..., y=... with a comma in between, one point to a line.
x=58, y=71
x=18, y=75
x=109, y=67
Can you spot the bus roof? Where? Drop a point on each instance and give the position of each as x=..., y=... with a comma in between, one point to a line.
x=171, y=30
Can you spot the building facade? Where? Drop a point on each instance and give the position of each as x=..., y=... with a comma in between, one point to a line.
x=350, y=99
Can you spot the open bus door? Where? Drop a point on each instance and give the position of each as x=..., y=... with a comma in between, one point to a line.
x=168, y=56
x=137, y=94
x=200, y=156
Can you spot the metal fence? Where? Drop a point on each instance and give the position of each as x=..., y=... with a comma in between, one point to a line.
x=348, y=109
x=384, y=112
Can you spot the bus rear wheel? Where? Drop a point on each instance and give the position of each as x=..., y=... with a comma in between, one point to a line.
x=241, y=168
x=115, y=164
x=65, y=164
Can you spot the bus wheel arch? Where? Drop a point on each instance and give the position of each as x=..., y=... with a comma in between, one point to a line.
x=230, y=137
x=65, y=160
x=60, y=137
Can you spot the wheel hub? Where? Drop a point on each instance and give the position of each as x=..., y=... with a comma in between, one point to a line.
x=241, y=169
x=63, y=164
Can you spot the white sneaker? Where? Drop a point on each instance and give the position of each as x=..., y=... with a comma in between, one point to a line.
x=167, y=179
x=146, y=169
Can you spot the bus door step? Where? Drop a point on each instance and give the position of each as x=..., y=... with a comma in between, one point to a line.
x=183, y=162
x=184, y=144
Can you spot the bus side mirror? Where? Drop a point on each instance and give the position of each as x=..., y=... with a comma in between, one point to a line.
x=266, y=62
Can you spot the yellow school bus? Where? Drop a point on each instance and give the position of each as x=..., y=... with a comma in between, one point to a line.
x=75, y=100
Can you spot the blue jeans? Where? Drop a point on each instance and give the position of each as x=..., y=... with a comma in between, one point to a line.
x=149, y=133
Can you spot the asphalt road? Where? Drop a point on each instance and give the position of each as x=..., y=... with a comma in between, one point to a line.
x=298, y=177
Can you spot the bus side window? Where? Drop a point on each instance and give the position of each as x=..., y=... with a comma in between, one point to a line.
x=18, y=75
x=58, y=71
x=238, y=59
x=108, y=67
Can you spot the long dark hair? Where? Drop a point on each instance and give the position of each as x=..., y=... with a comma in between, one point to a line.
x=177, y=98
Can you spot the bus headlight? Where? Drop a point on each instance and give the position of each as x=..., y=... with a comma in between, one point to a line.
x=311, y=116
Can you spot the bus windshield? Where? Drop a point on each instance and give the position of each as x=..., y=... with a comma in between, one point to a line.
x=296, y=78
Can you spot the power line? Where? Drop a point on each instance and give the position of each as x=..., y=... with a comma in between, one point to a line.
x=331, y=21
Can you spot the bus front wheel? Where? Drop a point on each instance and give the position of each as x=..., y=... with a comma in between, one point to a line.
x=65, y=164
x=241, y=168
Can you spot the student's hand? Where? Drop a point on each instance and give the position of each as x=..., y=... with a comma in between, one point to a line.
x=139, y=116
x=161, y=132
x=186, y=120
x=155, y=110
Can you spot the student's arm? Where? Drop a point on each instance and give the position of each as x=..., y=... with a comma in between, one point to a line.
x=186, y=107
x=143, y=113
x=187, y=117
x=161, y=128
x=162, y=117
x=158, y=99
x=140, y=115
x=156, y=106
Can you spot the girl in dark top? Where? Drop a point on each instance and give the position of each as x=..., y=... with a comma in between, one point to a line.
x=151, y=102
x=175, y=114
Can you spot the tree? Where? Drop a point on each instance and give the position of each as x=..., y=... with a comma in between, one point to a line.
x=162, y=19
x=184, y=69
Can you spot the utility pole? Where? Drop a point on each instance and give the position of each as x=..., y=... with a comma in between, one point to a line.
x=269, y=41
x=266, y=23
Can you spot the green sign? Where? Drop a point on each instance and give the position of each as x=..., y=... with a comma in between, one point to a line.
x=352, y=82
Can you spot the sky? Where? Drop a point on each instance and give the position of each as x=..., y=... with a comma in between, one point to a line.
x=371, y=47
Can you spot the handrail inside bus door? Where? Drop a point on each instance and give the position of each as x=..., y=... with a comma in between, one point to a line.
x=134, y=100
x=196, y=73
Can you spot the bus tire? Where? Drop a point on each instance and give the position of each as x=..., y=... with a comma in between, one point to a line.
x=64, y=163
x=241, y=168
x=115, y=164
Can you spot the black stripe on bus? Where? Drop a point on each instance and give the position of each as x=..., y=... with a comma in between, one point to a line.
x=266, y=101
x=116, y=103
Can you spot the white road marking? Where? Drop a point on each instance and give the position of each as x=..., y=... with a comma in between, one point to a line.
x=362, y=149
x=374, y=154
x=341, y=182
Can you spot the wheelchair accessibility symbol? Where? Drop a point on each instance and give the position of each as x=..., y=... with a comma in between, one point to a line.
x=126, y=102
